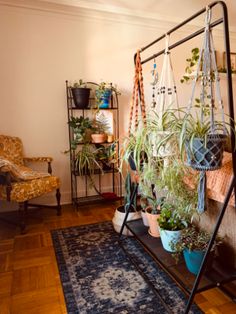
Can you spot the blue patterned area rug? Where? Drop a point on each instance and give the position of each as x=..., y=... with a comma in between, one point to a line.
x=98, y=278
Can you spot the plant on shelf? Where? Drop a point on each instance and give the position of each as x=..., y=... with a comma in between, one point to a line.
x=106, y=155
x=100, y=128
x=103, y=94
x=86, y=160
x=171, y=223
x=121, y=211
x=82, y=128
x=193, y=243
x=80, y=93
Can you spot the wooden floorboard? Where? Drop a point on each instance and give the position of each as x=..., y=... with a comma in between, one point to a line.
x=29, y=278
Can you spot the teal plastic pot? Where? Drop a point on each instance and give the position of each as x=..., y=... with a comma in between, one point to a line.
x=193, y=260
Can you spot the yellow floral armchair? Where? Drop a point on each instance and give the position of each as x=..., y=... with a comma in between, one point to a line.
x=20, y=183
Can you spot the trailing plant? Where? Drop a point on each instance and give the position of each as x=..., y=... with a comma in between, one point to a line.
x=191, y=65
x=192, y=239
x=79, y=84
x=86, y=160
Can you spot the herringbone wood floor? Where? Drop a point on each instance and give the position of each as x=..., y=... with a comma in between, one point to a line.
x=29, y=278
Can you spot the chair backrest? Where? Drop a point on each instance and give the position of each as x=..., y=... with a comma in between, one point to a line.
x=11, y=148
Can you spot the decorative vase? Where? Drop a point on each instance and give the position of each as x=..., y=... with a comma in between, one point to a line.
x=153, y=224
x=193, y=260
x=99, y=138
x=168, y=236
x=207, y=155
x=80, y=97
x=119, y=217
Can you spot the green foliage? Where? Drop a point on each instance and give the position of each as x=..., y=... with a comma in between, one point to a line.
x=86, y=160
x=193, y=239
x=80, y=126
x=191, y=64
x=101, y=124
x=129, y=188
x=79, y=84
x=170, y=219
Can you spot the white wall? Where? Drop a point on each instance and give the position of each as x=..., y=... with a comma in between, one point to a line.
x=42, y=49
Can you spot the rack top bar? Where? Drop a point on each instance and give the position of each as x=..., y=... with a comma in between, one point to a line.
x=211, y=5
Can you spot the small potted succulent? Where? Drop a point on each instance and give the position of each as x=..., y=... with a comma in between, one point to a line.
x=80, y=93
x=193, y=243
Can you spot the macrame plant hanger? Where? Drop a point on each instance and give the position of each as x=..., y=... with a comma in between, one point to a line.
x=166, y=99
x=166, y=91
x=138, y=102
x=210, y=155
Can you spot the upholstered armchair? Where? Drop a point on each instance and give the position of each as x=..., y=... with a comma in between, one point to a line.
x=20, y=183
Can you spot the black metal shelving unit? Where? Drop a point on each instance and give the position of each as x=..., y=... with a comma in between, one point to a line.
x=216, y=276
x=77, y=197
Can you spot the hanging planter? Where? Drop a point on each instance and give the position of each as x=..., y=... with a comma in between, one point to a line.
x=162, y=135
x=206, y=154
x=202, y=134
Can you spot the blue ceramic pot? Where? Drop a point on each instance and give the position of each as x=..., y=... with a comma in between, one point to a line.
x=168, y=236
x=193, y=260
x=104, y=99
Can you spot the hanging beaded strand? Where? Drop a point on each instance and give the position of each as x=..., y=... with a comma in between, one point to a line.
x=154, y=83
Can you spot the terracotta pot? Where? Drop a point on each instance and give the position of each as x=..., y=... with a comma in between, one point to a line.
x=153, y=224
x=110, y=138
x=99, y=138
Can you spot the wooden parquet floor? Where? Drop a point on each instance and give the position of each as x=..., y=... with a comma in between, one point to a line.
x=29, y=278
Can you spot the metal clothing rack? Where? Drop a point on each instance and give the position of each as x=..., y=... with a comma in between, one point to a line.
x=134, y=226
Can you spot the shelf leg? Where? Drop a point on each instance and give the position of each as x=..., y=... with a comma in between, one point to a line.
x=211, y=242
x=128, y=209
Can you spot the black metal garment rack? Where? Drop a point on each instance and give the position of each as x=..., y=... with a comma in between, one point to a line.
x=135, y=226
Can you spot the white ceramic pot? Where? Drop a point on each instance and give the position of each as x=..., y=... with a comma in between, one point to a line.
x=168, y=236
x=165, y=150
x=119, y=217
x=144, y=217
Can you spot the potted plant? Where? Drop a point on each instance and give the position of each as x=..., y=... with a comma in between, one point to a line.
x=103, y=94
x=106, y=155
x=121, y=211
x=193, y=243
x=202, y=141
x=80, y=93
x=82, y=128
x=100, y=128
x=86, y=160
x=171, y=225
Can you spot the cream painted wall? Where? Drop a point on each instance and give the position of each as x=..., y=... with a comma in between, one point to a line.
x=40, y=50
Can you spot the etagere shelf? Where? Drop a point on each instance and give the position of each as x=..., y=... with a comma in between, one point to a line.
x=217, y=275
x=81, y=191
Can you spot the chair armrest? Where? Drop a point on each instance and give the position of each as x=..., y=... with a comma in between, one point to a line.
x=40, y=159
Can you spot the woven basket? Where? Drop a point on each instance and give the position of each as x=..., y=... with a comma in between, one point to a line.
x=206, y=156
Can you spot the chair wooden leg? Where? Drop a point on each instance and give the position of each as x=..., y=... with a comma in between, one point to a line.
x=23, y=206
x=58, y=197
